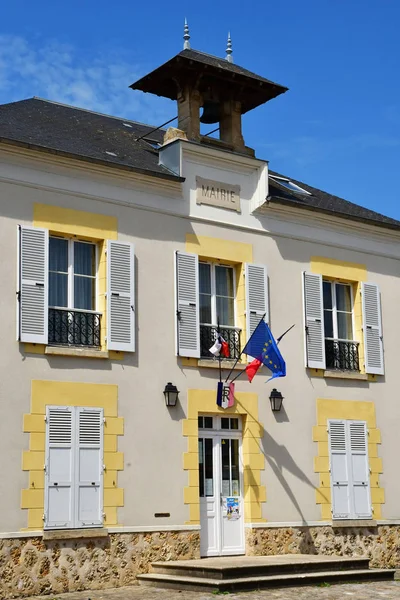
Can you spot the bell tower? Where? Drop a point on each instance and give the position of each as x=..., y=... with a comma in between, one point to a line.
x=209, y=90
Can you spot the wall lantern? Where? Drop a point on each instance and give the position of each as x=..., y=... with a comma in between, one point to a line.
x=171, y=394
x=276, y=400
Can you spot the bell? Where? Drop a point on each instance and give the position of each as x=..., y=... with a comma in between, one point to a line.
x=210, y=112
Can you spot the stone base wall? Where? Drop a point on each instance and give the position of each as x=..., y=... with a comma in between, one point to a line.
x=31, y=566
x=381, y=543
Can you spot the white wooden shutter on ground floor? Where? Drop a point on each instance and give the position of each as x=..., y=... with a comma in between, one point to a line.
x=372, y=326
x=187, y=320
x=314, y=321
x=74, y=467
x=33, y=252
x=120, y=296
x=350, y=481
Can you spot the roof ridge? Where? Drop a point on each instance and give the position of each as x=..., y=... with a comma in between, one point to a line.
x=93, y=112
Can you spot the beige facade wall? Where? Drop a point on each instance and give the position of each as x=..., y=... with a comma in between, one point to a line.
x=153, y=444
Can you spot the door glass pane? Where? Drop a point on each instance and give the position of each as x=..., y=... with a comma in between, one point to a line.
x=205, y=309
x=208, y=422
x=58, y=272
x=235, y=467
x=201, y=466
x=84, y=259
x=345, y=326
x=84, y=292
x=328, y=323
x=327, y=293
x=58, y=255
x=58, y=289
x=343, y=297
x=225, y=475
x=225, y=311
x=209, y=474
x=205, y=293
x=224, y=281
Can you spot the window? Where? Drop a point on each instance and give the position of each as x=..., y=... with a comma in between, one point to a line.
x=349, y=468
x=74, y=467
x=72, y=293
x=217, y=307
x=289, y=185
x=340, y=348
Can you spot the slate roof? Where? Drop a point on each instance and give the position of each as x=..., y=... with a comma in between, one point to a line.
x=81, y=134
x=85, y=135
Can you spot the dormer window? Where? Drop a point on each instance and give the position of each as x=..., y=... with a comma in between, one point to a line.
x=293, y=187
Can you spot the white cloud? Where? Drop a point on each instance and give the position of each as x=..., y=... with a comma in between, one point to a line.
x=58, y=72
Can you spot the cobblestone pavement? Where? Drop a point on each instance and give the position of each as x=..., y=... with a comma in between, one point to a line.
x=362, y=591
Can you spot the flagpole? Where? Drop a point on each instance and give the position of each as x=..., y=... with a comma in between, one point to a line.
x=238, y=358
x=219, y=356
x=277, y=341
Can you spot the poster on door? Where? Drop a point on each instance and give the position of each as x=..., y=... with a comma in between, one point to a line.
x=232, y=509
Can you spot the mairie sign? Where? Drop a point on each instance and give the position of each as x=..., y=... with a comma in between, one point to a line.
x=215, y=193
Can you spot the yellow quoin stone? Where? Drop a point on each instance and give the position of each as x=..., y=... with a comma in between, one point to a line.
x=246, y=406
x=352, y=410
x=58, y=393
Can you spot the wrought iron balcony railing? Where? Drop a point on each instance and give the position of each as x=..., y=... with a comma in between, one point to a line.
x=208, y=335
x=342, y=355
x=74, y=327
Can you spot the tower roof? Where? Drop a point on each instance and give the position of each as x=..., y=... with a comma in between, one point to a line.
x=205, y=70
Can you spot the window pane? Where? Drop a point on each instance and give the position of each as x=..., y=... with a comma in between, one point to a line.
x=58, y=255
x=328, y=323
x=224, y=423
x=84, y=292
x=58, y=289
x=225, y=311
x=200, y=422
x=204, y=278
x=345, y=328
x=84, y=259
x=205, y=309
x=327, y=291
x=224, y=281
x=343, y=297
x=208, y=422
x=234, y=423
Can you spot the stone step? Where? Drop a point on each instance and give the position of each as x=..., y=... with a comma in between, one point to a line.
x=258, y=566
x=202, y=584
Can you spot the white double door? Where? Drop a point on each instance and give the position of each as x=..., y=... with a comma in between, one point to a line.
x=221, y=499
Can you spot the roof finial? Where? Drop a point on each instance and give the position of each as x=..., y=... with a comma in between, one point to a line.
x=186, y=36
x=229, y=50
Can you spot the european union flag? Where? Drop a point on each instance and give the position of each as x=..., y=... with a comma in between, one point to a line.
x=264, y=348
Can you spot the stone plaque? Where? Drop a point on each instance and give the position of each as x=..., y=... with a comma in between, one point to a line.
x=215, y=193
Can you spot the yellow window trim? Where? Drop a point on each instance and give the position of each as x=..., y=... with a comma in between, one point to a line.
x=246, y=406
x=346, y=410
x=59, y=393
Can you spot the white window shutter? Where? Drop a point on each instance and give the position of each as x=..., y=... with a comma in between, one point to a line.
x=33, y=284
x=89, y=468
x=120, y=296
x=187, y=304
x=340, y=484
x=358, y=456
x=59, y=500
x=257, y=301
x=314, y=321
x=372, y=326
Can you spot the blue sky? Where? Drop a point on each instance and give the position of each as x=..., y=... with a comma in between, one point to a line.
x=337, y=128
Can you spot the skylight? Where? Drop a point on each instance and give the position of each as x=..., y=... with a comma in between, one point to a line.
x=289, y=185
